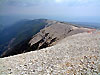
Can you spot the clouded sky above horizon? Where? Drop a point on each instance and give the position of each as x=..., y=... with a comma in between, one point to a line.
x=68, y=8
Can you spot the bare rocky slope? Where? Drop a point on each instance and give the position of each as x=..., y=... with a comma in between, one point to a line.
x=53, y=32
x=75, y=55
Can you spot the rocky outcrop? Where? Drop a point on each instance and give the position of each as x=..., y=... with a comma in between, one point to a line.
x=53, y=32
x=51, y=35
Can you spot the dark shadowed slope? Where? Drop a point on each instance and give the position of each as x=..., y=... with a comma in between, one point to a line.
x=19, y=32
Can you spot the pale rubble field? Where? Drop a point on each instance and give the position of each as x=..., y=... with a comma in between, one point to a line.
x=75, y=55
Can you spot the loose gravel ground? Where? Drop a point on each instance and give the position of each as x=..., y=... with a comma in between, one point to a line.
x=75, y=55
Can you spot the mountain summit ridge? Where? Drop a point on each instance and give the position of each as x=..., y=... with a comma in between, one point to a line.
x=51, y=33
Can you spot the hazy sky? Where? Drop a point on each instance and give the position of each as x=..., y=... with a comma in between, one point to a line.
x=60, y=8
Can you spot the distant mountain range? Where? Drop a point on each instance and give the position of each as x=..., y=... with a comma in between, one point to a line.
x=30, y=35
x=87, y=24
